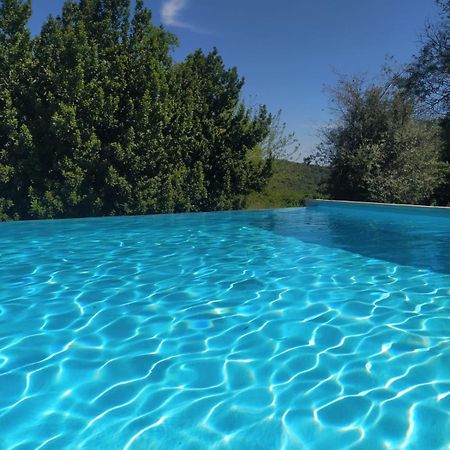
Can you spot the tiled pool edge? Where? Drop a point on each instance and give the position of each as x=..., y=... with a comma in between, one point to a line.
x=440, y=211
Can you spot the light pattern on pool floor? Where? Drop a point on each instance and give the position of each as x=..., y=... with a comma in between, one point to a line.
x=287, y=329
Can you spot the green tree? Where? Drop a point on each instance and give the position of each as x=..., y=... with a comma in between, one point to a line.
x=16, y=142
x=428, y=79
x=377, y=150
x=223, y=131
x=96, y=118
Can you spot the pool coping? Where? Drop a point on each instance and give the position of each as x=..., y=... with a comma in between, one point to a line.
x=391, y=207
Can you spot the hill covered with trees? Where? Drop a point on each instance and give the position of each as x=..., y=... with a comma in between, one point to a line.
x=97, y=119
x=290, y=185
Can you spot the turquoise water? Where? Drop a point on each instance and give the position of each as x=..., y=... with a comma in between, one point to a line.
x=316, y=328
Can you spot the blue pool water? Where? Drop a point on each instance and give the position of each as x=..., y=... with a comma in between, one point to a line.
x=316, y=328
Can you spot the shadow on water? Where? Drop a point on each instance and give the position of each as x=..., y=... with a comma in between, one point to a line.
x=405, y=239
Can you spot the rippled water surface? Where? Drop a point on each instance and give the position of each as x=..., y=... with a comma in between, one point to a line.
x=309, y=328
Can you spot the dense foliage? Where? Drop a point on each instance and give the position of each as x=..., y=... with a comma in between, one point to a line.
x=378, y=150
x=96, y=118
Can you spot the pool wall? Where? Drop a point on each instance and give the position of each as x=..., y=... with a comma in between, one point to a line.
x=439, y=211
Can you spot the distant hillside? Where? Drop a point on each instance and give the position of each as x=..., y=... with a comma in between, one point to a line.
x=290, y=185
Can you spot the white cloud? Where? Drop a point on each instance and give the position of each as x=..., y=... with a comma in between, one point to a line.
x=171, y=11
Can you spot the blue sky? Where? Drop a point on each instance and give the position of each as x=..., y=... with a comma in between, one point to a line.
x=290, y=50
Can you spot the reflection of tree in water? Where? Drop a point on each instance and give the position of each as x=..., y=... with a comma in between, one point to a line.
x=422, y=242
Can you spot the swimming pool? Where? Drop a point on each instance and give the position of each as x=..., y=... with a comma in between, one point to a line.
x=317, y=328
